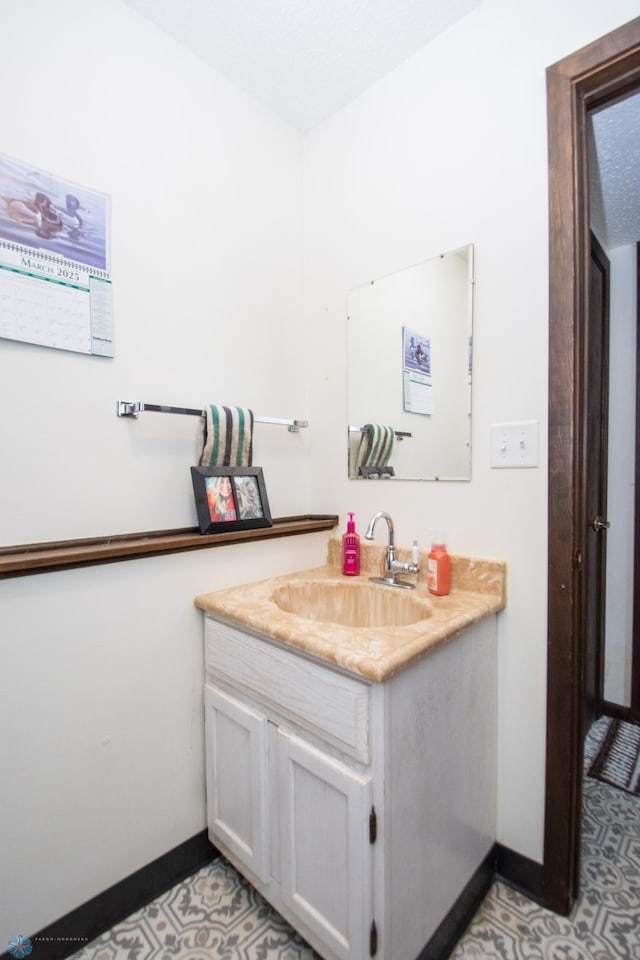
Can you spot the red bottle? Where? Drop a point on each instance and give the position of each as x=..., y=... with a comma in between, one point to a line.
x=351, y=549
x=439, y=570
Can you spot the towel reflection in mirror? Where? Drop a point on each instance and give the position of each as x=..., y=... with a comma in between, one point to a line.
x=374, y=452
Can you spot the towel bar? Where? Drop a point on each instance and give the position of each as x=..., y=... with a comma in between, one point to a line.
x=125, y=408
x=399, y=434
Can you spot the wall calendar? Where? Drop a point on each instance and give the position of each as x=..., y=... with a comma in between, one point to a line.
x=55, y=284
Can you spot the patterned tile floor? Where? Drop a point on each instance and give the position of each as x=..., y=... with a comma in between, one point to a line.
x=216, y=914
x=213, y=914
x=605, y=921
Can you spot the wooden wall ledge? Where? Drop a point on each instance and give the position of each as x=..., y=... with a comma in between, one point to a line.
x=31, y=558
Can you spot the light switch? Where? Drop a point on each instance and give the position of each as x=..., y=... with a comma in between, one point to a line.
x=514, y=445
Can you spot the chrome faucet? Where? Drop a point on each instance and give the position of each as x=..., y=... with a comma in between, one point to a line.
x=392, y=567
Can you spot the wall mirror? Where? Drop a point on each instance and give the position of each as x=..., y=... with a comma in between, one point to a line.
x=409, y=343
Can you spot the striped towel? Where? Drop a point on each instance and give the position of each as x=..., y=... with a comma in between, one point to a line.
x=375, y=450
x=227, y=439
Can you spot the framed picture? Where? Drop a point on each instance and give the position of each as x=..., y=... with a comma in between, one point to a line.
x=230, y=498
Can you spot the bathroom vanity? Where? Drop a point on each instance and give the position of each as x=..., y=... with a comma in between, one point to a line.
x=350, y=767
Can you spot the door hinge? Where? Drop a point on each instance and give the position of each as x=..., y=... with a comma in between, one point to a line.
x=373, y=939
x=578, y=559
x=373, y=825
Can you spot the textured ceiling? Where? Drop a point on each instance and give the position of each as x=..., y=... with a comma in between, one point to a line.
x=305, y=59
x=614, y=166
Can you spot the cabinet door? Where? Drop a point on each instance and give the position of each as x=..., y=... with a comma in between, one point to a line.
x=237, y=784
x=325, y=848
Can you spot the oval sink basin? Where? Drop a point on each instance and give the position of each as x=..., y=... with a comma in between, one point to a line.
x=351, y=604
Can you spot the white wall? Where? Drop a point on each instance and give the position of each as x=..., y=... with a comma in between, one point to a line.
x=101, y=668
x=449, y=149
x=206, y=265
x=621, y=487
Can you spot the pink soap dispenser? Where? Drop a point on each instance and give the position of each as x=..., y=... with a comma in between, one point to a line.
x=351, y=549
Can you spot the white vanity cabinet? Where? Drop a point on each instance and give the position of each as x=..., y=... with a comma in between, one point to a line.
x=289, y=792
x=359, y=810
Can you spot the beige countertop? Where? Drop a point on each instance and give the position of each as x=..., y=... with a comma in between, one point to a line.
x=478, y=589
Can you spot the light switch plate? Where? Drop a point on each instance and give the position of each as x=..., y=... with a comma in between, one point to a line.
x=514, y=445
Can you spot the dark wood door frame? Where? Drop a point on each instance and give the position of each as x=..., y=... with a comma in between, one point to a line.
x=593, y=76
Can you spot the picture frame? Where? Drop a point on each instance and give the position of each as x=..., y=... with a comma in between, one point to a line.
x=230, y=498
